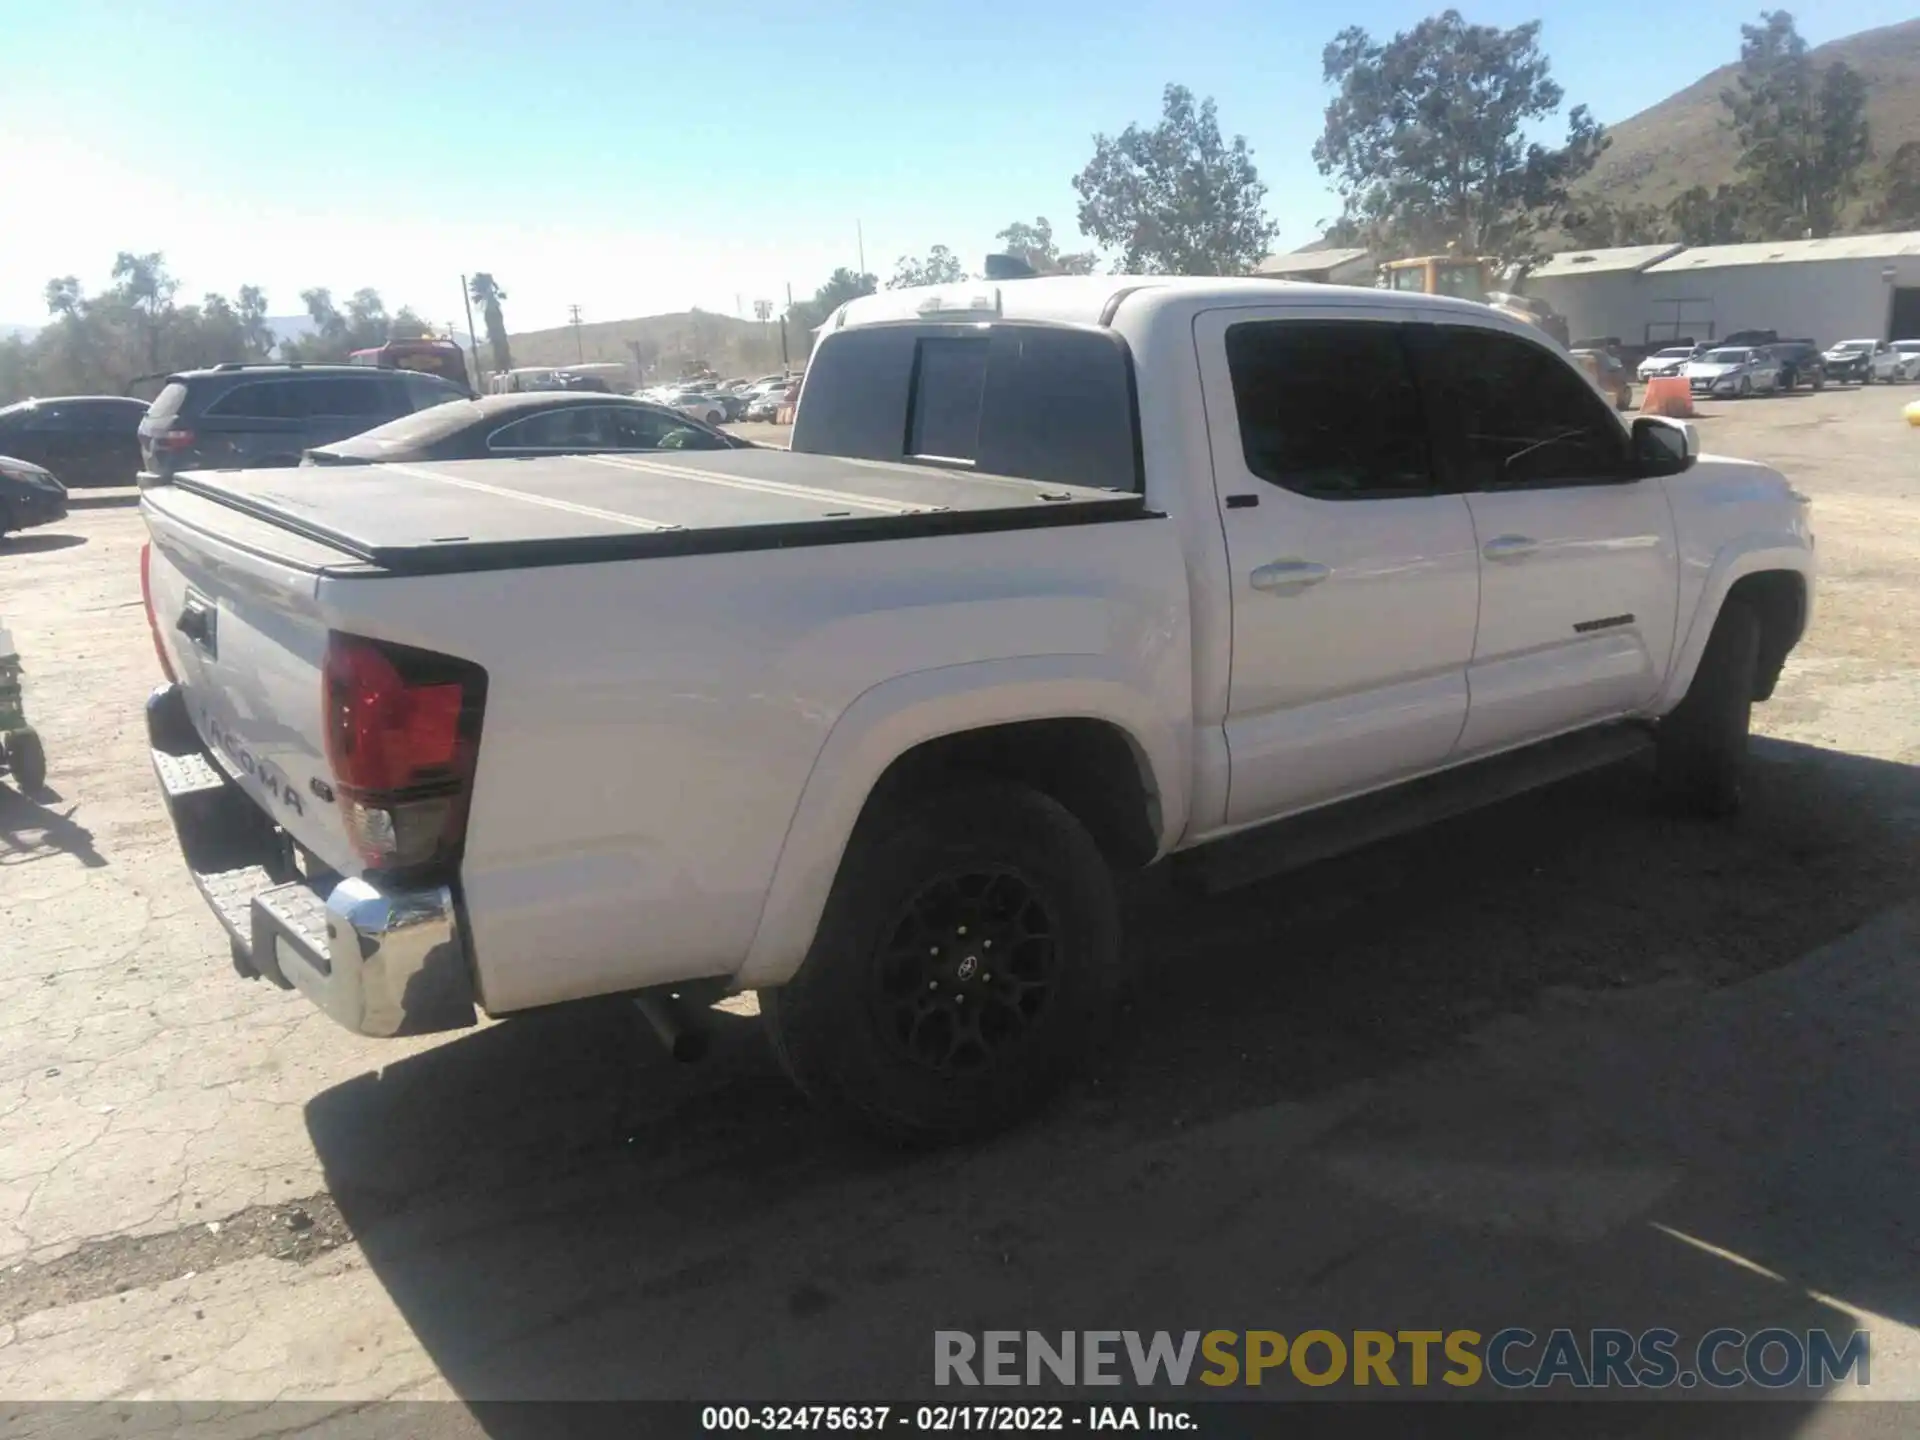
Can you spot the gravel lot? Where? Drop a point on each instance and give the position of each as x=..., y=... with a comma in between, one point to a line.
x=1556, y=1062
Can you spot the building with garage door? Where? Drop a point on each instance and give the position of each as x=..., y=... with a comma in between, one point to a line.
x=1842, y=288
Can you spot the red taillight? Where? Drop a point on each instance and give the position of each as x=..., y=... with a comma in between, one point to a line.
x=171, y=440
x=402, y=733
x=153, y=623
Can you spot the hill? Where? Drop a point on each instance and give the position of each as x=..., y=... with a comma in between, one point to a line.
x=1683, y=142
x=730, y=346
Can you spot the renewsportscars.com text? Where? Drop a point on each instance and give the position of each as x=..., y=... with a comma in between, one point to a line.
x=1512, y=1359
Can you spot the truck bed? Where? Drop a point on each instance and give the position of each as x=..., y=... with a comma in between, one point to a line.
x=449, y=516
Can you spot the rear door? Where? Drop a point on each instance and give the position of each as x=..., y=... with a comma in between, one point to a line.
x=256, y=422
x=338, y=406
x=1355, y=579
x=1579, y=574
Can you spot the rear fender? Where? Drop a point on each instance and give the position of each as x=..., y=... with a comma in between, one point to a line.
x=892, y=718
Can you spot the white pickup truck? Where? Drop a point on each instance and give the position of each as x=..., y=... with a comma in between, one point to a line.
x=1065, y=577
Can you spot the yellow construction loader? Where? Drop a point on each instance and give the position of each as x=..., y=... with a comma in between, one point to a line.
x=1471, y=278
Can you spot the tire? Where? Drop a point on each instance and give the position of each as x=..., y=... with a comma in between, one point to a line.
x=1701, y=751
x=873, y=1029
x=27, y=760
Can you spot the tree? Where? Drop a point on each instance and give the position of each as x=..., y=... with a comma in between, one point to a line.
x=1896, y=191
x=1176, y=199
x=843, y=285
x=1595, y=224
x=256, y=336
x=1034, y=244
x=1724, y=215
x=144, y=285
x=1426, y=138
x=63, y=297
x=487, y=294
x=941, y=267
x=1802, y=131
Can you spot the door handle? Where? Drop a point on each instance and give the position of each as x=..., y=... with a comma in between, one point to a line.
x=1287, y=577
x=1509, y=547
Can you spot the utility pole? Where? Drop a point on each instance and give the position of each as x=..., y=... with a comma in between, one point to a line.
x=860, y=241
x=473, y=340
x=579, y=344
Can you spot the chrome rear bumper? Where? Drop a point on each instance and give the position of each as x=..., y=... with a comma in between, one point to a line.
x=380, y=961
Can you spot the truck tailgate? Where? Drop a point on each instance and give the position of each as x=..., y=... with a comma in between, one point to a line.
x=234, y=605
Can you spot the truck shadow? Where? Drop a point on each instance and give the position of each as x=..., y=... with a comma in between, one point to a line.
x=1487, y=1075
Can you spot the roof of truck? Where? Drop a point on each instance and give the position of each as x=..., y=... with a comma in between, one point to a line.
x=460, y=515
x=1095, y=299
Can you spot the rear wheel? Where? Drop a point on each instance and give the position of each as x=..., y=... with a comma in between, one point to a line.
x=1701, y=754
x=27, y=760
x=971, y=939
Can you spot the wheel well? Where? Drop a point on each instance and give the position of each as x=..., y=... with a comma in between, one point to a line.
x=1779, y=598
x=1089, y=766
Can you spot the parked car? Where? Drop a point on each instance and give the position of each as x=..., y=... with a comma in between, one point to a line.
x=1734, y=370
x=886, y=743
x=79, y=439
x=702, y=405
x=1799, y=361
x=1910, y=350
x=29, y=495
x=1865, y=361
x=1608, y=375
x=552, y=422
x=1748, y=339
x=267, y=415
x=1670, y=361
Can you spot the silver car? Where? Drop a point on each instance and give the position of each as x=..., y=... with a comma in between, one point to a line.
x=1735, y=372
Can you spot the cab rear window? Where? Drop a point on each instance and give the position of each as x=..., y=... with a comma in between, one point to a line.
x=1041, y=402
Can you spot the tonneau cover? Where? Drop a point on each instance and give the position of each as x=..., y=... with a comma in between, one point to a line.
x=413, y=518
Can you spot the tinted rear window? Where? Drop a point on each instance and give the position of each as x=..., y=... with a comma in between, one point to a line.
x=166, y=404
x=950, y=379
x=1053, y=402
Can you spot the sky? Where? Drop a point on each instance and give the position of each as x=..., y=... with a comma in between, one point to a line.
x=633, y=158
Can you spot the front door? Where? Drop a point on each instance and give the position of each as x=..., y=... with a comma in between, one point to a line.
x=1578, y=571
x=1354, y=578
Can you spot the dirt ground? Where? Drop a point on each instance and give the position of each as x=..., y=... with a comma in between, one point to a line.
x=1563, y=1063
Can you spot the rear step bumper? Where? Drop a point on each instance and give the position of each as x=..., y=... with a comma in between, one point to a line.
x=381, y=962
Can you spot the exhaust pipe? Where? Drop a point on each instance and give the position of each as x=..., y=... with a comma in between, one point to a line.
x=683, y=1036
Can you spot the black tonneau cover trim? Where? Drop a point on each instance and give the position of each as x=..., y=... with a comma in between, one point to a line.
x=517, y=554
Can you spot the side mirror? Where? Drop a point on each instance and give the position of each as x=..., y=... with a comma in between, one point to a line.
x=1664, y=447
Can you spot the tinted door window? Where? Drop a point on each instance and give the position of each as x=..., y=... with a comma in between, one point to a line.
x=262, y=400
x=352, y=398
x=1329, y=408
x=1512, y=414
x=635, y=429
x=109, y=417
x=576, y=427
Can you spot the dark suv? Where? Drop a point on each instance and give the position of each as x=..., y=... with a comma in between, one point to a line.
x=1800, y=361
x=244, y=416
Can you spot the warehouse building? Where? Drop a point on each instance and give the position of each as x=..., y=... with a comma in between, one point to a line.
x=1325, y=267
x=1842, y=288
